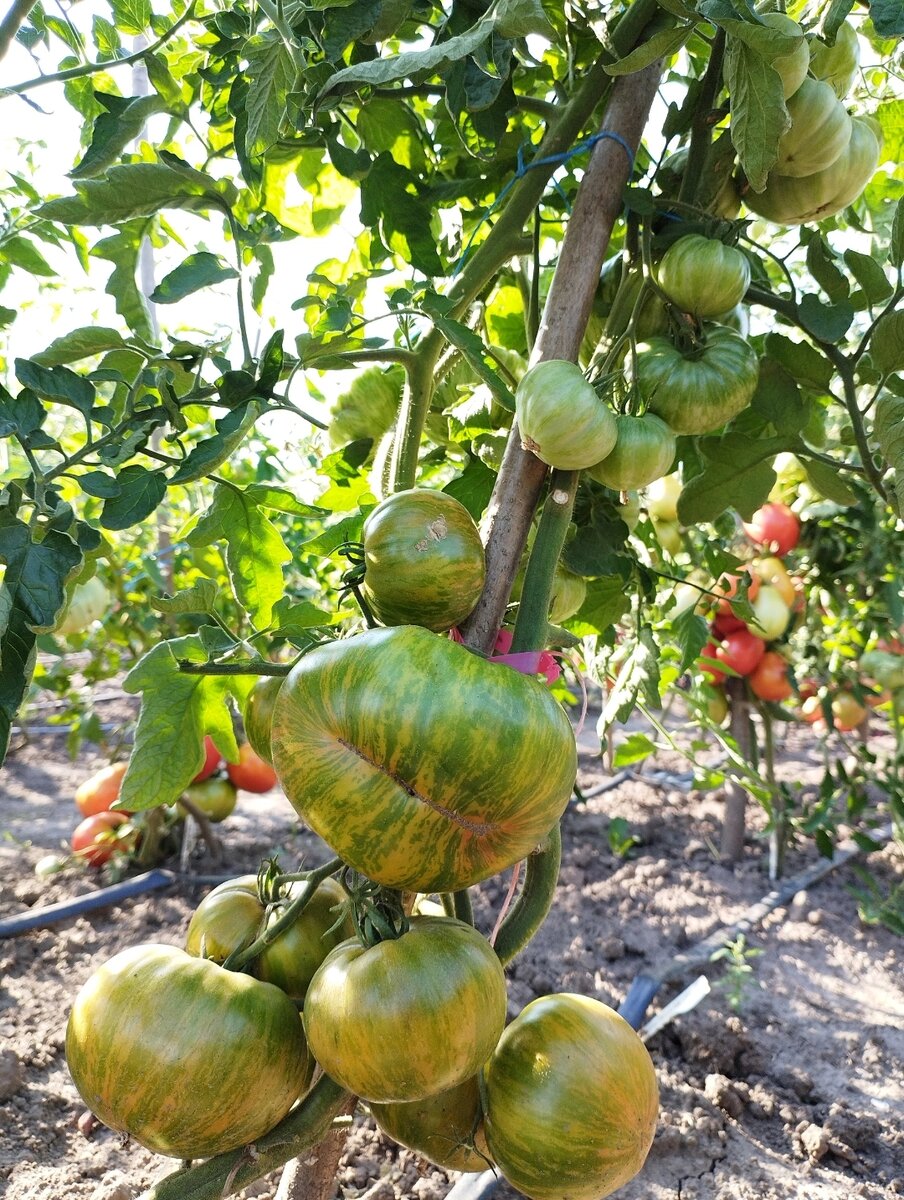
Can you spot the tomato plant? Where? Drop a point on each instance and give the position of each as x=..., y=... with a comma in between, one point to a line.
x=409, y=1017
x=162, y=1046
x=571, y=1100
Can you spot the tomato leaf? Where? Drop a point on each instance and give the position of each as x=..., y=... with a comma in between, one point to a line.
x=210, y=453
x=886, y=345
x=58, y=384
x=634, y=749
x=140, y=491
x=177, y=710
x=828, y=482
x=639, y=675
x=738, y=473
x=803, y=361
x=199, y=598
x=113, y=130
x=758, y=113
x=255, y=552
x=870, y=276
x=828, y=322
x=896, y=245
x=271, y=73
x=198, y=271
x=691, y=633
x=123, y=250
x=889, y=430
x=473, y=487
x=139, y=190
x=777, y=399
x=662, y=44
x=888, y=17
x=606, y=602
x=80, y=343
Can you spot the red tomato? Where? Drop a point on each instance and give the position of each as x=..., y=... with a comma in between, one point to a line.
x=212, y=759
x=774, y=526
x=727, y=588
x=769, y=680
x=726, y=623
x=251, y=772
x=96, y=794
x=93, y=841
x=742, y=651
x=709, y=668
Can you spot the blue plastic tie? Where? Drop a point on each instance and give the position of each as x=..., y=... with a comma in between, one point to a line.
x=549, y=160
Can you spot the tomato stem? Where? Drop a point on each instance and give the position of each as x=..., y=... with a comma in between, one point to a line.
x=532, y=624
x=529, y=911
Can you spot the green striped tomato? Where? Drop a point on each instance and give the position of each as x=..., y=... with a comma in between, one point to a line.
x=703, y=276
x=422, y=765
x=258, y=714
x=410, y=1017
x=837, y=64
x=819, y=132
x=571, y=1100
x=423, y=560
x=698, y=391
x=643, y=453
x=446, y=1129
x=561, y=418
x=231, y=917
x=187, y=1058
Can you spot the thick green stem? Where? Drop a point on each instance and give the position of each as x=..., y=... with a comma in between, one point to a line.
x=227, y=1174
x=529, y=911
x=532, y=624
x=702, y=128
x=10, y=24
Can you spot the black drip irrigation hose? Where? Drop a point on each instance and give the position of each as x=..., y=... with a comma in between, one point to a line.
x=645, y=985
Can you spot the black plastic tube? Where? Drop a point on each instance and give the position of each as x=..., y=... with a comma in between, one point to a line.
x=49, y=914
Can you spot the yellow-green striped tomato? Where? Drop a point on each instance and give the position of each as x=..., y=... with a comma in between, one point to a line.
x=643, y=452
x=698, y=391
x=703, y=276
x=410, y=1017
x=188, y=1059
x=258, y=713
x=837, y=64
x=819, y=133
x=561, y=418
x=790, y=201
x=446, y=1129
x=421, y=764
x=571, y=1100
x=423, y=560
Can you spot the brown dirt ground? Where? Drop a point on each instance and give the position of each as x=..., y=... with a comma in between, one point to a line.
x=798, y=1094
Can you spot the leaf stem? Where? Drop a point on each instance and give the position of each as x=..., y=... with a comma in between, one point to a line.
x=257, y=666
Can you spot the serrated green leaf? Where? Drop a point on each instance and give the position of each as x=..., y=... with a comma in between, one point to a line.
x=348, y=529
x=605, y=604
x=21, y=252
x=140, y=493
x=131, y=16
x=869, y=274
x=896, y=244
x=302, y=615
x=889, y=432
x=99, y=485
x=691, y=633
x=801, y=360
x=205, y=456
x=888, y=17
x=821, y=264
x=80, y=343
x=473, y=487
x=638, y=676
x=634, y=749
x=758, y=113
x=477, y=355
x=886, y=346
x=403, y=219
x=519, y=18
x=200, y=270
x=412, y=63
x=827, y=322
x=271, y=76
x=113, y=131
x=281, y=500
x=138, y=190
x=828, y=481
x=58, y=384
x=123, y=250
x=255, y=552
x=177, y=710
x=663, y=44
x=199, y=598
x=22, y=414
x=777, y=399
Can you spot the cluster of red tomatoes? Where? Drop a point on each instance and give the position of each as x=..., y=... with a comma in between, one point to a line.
x=741, y=647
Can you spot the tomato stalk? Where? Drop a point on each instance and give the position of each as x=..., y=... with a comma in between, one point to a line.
x=732, y=842
x=240, y=959
x=529, y=911
x=702, y=126
x=778, y=834
x=532, y=623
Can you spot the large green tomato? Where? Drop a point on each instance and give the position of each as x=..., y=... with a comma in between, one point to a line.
x=698, y=391
x=819, y=133
x=232, y=916
x=561, y=418
x=87, y=603
x=703, y=276
x=215, y=798
x=422, y=765
x=790, y=201
x=569, y=591
x=446, y=1129
x=410, y=1017
x=792, y=67
x=423, y=560
x=837, y=64
x=258, y=714
x=187, y=1058
x=644, y=452
x=571, y=1100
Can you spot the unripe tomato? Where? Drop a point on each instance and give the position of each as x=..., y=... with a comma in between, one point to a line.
x=769, y=680
x=837, y=64
x=88, y=603
x=716, y=704
x=258, y=715
x=793, y=66
x=569, y=592
x=571, y=1100
x=101, y=791
x=561, y=418
x=212, y=759
x=770, y=613
x=643, y=451
x=774, y=572
x=697, y=391
x=93, y=840
x=215, y=798
x=819, y=133
x=423, y=559
x=251, y=772
x=630, y=511
x=661, y=498
x=446, y=1129
x=741, y=651
x=668, y=534
x=848, y=712
x=774, y=526
x=703, y=276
